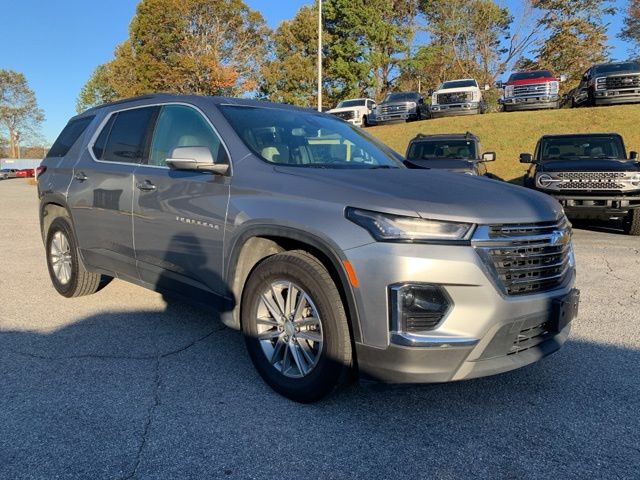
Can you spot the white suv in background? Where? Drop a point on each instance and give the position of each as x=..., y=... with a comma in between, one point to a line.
x=457, y=97
x=357, y=111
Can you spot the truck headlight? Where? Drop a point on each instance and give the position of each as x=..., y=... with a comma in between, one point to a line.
x=434, y=99
x=508, y=91
x=634, y=179
x=554, y=87
x=385, y=227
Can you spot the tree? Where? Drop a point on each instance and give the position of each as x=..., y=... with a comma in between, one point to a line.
x=472, y=38
x=369, y=40
x=20, y=115
x=631, y=30
x=205, y=47
x=290, y=76
x=577, y=36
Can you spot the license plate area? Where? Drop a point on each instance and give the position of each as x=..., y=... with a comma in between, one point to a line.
x=564, y=310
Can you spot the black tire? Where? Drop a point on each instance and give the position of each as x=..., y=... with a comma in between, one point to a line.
x=334, y=359
x=505, y=108
x=365, y=121
x=632, y=222
x=80, y=282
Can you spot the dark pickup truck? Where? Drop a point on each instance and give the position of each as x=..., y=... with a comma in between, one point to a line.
x=455, y=152
x=608, y=84
x=590, y=175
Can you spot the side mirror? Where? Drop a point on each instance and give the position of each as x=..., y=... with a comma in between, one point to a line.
x=499, y=84
x=563, y=78
x=430, y=91
x=195, y=158
x=487, y=87
x=526, y=158
x=489, y=157
x=633, y=155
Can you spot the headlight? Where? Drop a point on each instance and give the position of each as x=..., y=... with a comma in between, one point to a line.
x=357, y=113
x=385, y=227
x=508, y=91
x=434, y=99
x=633, y=179
x=412, y=105
x=554, y=87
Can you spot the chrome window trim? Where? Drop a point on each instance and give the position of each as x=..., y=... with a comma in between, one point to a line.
x=104, y=121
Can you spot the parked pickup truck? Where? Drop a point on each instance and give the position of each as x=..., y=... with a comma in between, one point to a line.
x=403, y=106
x=455, y=152
x=531, y=90
x=608, y=84
x=356, y=111
x=590, y=175
x=457, y=97
x=311, y=238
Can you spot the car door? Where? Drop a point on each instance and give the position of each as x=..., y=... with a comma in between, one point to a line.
x=179, y=216
x=101, y=190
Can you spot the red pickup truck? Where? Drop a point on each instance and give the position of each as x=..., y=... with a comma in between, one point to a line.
x=531, y=90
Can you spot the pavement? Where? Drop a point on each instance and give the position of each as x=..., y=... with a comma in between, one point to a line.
x=122, y=385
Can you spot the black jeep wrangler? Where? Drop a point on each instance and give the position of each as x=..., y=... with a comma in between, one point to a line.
x=590, y=175
x=456, y=152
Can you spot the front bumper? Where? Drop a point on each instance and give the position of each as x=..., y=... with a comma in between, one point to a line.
x=469, y=108
x=616, y=97
x=475, y=337
x=396, y=116
x=531, y=103
x=597, y=207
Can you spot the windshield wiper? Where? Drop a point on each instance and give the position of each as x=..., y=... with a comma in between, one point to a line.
x=377, y=167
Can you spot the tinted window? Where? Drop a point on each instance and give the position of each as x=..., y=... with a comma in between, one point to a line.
x=402, y=97
x=301, y=139
x=439, y=149
x=458, y=84
x=581, y=147
x=530, y=75
x=68, y=136
x=123, y=137
x=351, y=103
x=617, y=67
x=181, y=126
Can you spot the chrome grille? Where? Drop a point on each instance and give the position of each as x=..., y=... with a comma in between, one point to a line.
x=346, y=115
x=387, y=109
x=532, y=89
x=526, y=258
x=623, y=81
x=457, y=97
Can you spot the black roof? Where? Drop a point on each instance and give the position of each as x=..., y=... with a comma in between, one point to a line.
x=576, y=135
x=445, y=136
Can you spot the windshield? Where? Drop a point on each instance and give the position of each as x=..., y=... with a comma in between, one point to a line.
x=458, y=84
x=351, y=103
x=401, y=97
x=617, y=67
x=530, y=75
x=301, y=139
x=581, y=147
x=440, y=149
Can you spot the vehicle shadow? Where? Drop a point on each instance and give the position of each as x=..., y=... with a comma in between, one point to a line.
x=173, y=394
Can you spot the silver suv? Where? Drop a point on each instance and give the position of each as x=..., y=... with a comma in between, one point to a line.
x=311, y=237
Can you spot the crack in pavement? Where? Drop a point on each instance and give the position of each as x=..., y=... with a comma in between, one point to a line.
x=612, y=271
x=119, y=357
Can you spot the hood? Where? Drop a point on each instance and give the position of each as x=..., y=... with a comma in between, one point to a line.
x=398, y=102
x=347, y=109
x=529, y=81
x=459, y=165
x=617, y=74
x=589, y=165
x=434, y=194
x=457, y=90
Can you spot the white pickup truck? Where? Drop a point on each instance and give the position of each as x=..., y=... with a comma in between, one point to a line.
x=457, y=97
x=357, y=111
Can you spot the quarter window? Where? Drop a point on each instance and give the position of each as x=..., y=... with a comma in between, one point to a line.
x=69, y=136
x=182, y=126
x=123, y=137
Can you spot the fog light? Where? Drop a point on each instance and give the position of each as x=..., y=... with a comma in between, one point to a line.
x=416, y=307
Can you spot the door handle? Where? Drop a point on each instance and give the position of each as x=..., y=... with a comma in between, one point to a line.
x=146, y=186
x=80, y=176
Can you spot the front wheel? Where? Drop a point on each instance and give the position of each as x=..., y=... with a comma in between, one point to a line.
x=295, y=327
x=632, y=222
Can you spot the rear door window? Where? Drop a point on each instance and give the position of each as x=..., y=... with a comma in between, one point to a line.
x=69, y=136
x=124, y=136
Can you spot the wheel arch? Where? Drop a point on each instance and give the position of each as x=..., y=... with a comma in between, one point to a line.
x=260, y=242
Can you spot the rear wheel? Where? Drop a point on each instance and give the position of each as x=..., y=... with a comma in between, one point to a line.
x=632, y=222
x=295, y=327
x=68, y=275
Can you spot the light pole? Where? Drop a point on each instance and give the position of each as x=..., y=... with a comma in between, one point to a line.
x=319, y=55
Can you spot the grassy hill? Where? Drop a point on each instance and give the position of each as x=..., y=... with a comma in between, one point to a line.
x=509, y=134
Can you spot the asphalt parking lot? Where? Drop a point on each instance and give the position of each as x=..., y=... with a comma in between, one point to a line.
x=123, y=385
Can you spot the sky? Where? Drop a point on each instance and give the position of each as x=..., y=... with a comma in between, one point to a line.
x=57, y=44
